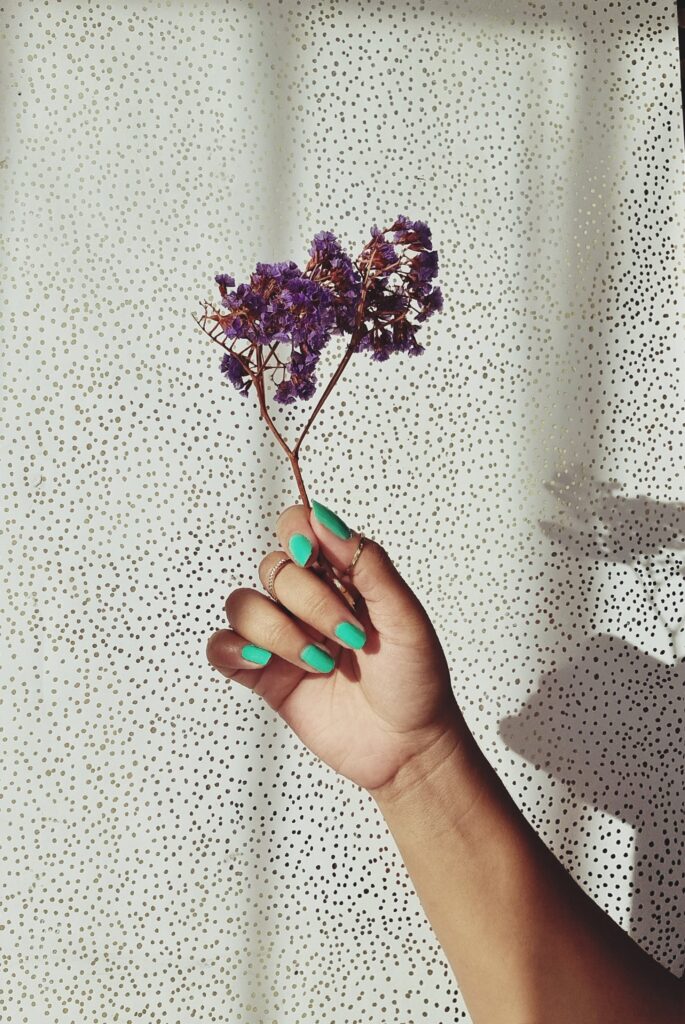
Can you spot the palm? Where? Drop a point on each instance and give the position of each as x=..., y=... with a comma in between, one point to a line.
x=362, y=719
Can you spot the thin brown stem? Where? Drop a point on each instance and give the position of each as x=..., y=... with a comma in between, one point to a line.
x=359, y=318
x=326, y=393
x=294, y=462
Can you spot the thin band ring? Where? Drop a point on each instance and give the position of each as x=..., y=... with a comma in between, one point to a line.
x=275, y=568
x=355, y=557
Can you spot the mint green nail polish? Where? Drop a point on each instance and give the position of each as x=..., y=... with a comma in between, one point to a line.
x=300, y=547
x=351, y=634
x=317, y=658
x=330, y=520
x=257, y=654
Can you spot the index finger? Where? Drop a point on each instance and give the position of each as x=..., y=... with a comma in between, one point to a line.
x=296, y=536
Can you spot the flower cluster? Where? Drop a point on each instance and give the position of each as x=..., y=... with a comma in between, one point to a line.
x=388, y=308
x=285, y=306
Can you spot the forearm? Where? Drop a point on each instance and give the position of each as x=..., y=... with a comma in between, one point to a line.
x=527, y=945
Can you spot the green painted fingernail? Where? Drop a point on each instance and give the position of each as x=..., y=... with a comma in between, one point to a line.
x=317, y=658
x=351, y=634
x=300, y=548
x=257, y=654
x=329, y=519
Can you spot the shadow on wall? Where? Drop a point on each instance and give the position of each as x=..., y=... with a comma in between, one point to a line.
x=610, y=723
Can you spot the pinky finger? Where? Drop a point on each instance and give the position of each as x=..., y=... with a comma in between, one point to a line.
x=235, y=658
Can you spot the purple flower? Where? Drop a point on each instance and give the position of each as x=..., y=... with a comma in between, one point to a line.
x=432, y=303
x=384, y=297
x=232, y=369
x=279, y=306
x=224, y=280
x=307, y=312
x=424, y=266
x=330, y=265
x=414, y=234
x=285, y=392
x=390, y=303
x=378, y=255
x=245, y=308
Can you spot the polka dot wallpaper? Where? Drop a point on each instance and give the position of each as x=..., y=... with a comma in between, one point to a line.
x=171, y=852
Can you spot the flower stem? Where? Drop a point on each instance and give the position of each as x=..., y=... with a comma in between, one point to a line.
x=328, y=571
x=295, y=464
x=359, y=319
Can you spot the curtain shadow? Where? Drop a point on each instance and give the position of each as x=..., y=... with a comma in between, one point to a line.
x=603, y=723
x=274, y=51
x=585, y=329
x=681, y=48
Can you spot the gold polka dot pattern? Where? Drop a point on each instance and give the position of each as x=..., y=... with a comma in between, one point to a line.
x=170, y=852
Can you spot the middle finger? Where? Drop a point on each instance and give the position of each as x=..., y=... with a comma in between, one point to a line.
x=313, y=601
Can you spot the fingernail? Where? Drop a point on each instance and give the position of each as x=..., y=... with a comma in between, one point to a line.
x=350, y=634
x=317, y=658
x=257, y=654
x=300, y=548
x=331, y=521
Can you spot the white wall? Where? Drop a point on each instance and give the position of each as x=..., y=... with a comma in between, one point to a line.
x=173, y=853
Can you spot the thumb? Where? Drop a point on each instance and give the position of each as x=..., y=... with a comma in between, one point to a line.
x=390, y=601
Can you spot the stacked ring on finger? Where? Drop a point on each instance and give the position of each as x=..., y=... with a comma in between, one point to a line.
x=272, y=574
x=283, y=561
x=298, y=594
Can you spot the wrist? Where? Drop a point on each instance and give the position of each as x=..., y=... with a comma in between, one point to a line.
x=446, y=777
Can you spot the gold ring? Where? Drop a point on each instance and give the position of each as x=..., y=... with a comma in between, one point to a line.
x=355, y=557
x=275, y=569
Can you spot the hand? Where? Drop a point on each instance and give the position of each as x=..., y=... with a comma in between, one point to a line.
x=374, y=710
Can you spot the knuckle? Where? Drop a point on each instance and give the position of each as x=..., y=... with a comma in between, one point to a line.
x=215, y=646
x=278, y=634
x=379, y=554
x=282, y=517
x=375, y=570
x=267, y=564
x=319, y=606
x=263, y=568
x=234, y=601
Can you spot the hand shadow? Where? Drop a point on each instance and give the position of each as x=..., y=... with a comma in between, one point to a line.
x=609, y=724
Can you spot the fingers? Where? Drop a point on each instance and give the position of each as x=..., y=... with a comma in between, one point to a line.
x=313, y=601
x=264, y=624
x=389, y=598
x=296, y=536
x=235, y=657
x=307, y=531
x=277, y=642
x=274, y=681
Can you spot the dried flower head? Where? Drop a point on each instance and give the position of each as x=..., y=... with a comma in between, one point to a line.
x=278, y=324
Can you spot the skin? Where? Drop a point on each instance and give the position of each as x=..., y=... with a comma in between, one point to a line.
x=526, y=943
x=381, y=704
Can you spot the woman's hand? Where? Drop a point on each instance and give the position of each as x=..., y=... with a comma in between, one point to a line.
x=380, y=707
